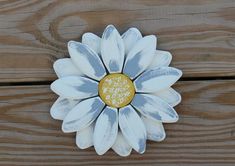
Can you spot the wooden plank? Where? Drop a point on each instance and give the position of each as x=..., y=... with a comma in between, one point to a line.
x=33, y=34
x=204, y=135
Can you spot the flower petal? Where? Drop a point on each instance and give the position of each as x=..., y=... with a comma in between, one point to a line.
x=121, y=147
x=161, y=59
x=154, y=80
x=170, y=96
x=92, y=40
x=140, y=56
x=106, y=129
x=82, y=115
x=132, y=128
x=112, y=49
x=75, y=87
x=86, y=60
x=84, y=138
x=61, y=108
x=155, y=129
x=130, y=37
x=154, y=108
x=65, y=67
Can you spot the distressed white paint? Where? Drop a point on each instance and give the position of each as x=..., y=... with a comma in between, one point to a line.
x=161, y=59
x=100, y=127
x=154, y=108
x=157, y=79
x=93, y=41
x=75, y=87
x=140, y=56
x=112, y=49
x=132, y=128
x=86, y=60
x=121, y=146
x=82, y=115
x=65, y=67
x=84, y=138
x=130, y=37
x=169, y=95
x=155, y=129
x=106, y=129
x=61, y=107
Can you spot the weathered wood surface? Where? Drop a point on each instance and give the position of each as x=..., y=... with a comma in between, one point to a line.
x=33, y=34
x=199, y=33
x=204, y=135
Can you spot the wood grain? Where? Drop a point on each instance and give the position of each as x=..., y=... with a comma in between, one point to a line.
x=33, y=34
x=204, y=135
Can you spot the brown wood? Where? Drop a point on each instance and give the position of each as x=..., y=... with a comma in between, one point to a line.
x=199, y=33
x=33, y=34
x=204, y=135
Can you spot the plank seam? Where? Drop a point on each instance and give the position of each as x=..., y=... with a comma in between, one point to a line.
x=181, y=79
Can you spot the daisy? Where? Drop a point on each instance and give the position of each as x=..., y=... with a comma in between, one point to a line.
x=115, y=91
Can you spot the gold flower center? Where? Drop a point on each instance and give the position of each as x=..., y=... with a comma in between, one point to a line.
x=116, y=90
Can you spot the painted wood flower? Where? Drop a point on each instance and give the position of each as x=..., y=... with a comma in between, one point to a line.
x=115, y=91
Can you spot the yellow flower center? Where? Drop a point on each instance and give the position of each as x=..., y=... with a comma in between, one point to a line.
x=116, y=90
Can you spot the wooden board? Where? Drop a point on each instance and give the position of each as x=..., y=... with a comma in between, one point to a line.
x=204, y=135
x=33, y=34
x=199, y=33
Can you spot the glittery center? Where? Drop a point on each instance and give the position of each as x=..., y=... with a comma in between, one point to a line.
x=116, y=90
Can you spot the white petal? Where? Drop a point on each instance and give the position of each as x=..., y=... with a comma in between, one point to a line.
x=132, y=128
x=140, y=56
x=155, y=129
x=157, y=79
x=106, y=129
x=84, y=138
x=161, y=59
x=112, y=49
x=61, y=107
x=65, y=67
x=86, y=60
x=154, y=108
x=75, y=87
x=121, y=147
x=82, y=115
x=130, y=37
x=170, y=96
x=92, y=40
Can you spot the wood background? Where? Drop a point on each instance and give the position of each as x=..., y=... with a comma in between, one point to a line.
x=199, y=33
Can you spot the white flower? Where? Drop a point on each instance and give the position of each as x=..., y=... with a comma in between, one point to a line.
x=115, y=91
